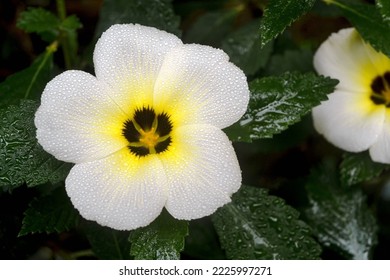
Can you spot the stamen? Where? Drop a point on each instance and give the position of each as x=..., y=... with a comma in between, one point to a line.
x=147, y=132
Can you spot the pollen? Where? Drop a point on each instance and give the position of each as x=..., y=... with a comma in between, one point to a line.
x=147, y=132
x=149, y=139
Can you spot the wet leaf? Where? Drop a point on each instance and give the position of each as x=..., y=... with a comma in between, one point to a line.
x=256, y=225
x=50, y=213
x=340, y=217
x=279, y=14
x=384, y=9
x=244, y=49
x=22, y=159
x=156, y=13
x=368, y=22
x=358, y=168
x=163, y=239
x=107, y=243
x=278, y=102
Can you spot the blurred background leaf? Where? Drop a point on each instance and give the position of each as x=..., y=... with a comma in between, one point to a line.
x=340, y=217
x=202, y=241
x=41, y=21
x=156, y=13
x=243, y=46
x=359, y=167
x=28, y=83
x=107, y=243
x=50, y=213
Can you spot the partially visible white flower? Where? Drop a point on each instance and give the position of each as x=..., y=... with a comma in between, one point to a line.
x=357, y=115
x=145, y=133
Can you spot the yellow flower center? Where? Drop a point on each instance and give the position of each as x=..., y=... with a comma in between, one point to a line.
x=149, y=139
x=380, y=87
x=147, y=132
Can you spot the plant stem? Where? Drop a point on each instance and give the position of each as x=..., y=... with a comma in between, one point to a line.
x=61, y=10
x=63, y=37
x=52, y=48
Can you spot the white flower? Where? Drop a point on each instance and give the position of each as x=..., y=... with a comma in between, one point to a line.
x=357, y=115
x=145, y=133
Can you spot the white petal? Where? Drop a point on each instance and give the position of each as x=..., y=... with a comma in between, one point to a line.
x=77, y=121
x=380, y=151
x=121, y=191
x=346, y=57
x=129, y=57
x=200, y=85
x=202, y=170
x=350, y=121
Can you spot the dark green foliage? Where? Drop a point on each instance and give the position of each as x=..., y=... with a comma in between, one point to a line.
x=39, y=21
x=107, y=243
x=278, y=102
x=358, y=168
x=340, y=216
x=256, y=225
x=343, y=205
x=369, y=23
x=22, y=159
x=156, y=13
x=243, y=46
x=384, y=9
x=210, y=28
x=48, y=25
x=28, y=83
x=50, y=213
x=163, y=239
x=279, y=14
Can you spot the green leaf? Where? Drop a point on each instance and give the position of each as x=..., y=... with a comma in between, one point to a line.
x=340, y=217
x=107, y=243
x=384, y=9
x=163, y=239
x=51, y=213
x=156, y=13
x=71, y=23
x=256, y=225
x=243, y=47
x=358, y=168
x=279, y=14
x=278, y=102
x=210, y=28
x=368, y=22
x=38, y=20
x=28, y=83
x=22, y=159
